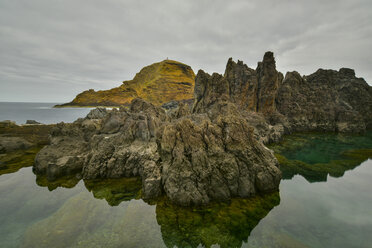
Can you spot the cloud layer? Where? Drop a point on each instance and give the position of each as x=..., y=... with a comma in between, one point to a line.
x=50, y=50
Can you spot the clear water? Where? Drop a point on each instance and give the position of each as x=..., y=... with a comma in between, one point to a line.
x=44, y=113
x=331, y=212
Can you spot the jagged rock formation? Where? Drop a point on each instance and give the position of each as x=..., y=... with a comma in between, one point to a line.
x=191, y=157
x=213, y=150
x=326, y=100
x=157, y=83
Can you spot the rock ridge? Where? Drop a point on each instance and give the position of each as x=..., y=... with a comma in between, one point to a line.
x=157, y=83
x=212, y=149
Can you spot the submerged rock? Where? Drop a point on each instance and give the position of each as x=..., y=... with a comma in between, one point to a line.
x=228, y=225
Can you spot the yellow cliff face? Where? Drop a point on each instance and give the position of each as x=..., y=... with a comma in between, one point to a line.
x=157, y=83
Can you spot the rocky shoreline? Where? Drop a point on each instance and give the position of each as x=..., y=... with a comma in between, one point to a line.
x=212, y=149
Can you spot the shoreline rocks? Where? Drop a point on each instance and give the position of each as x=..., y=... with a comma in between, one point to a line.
x=213, y=150
x=189, y=157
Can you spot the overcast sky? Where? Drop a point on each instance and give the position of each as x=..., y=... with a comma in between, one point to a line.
x=51, y=50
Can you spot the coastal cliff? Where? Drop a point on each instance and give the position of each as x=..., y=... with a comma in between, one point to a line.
x=214, y=149
x=157, y=83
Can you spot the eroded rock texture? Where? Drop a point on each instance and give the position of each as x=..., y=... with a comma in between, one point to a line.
x=191, y=157
x=326, y=100
x=213, y=150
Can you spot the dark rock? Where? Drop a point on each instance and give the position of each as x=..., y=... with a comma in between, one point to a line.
x=32, y=122
x=170, y=105
x=215, y=150
x=190, y=157
x=269, y=80
x=326, y=100
x=97, y=113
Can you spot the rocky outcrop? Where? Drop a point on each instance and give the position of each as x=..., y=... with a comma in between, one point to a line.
x=191, y=158
x=157, y=83
x=253, y=92
x=32, y=122
x=326, y=100
x=213, y=150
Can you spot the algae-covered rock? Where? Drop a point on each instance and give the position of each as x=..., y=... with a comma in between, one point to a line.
x=20, y=144
x=16, y=160
x=157, y=83
x=115, y=191
x=317, y=155
x=223, y=224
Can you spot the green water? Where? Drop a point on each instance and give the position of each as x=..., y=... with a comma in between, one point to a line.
x=325, y=201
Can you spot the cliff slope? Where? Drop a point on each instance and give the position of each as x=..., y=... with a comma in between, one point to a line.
x=157, y=83
x=327, y=100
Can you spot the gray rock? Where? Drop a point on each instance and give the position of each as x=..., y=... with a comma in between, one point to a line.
x=190, y=157
x=9, y=144
x=215, y=150
x=97, y=113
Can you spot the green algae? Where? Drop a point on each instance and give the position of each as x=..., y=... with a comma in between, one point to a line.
x=63, y=182
x=83, y=221
x=317, y=155
x=14, y=161
x=115, y=191
x=226, y=224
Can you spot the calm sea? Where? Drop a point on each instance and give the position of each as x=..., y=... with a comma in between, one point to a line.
x=44, y=113
x=324, y=200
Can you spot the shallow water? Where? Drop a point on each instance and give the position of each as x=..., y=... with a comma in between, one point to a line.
x=330, y=212
x=44, y=113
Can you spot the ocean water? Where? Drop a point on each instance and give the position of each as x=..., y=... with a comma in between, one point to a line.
x=44, y=113
x=324, y=200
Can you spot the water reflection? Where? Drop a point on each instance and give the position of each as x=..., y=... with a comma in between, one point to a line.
x=228, y=225
x=14, y=161
x=317, y=155
x=114, y=191
x=63, y=213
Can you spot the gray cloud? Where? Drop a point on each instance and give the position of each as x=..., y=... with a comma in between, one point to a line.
x=51, y=50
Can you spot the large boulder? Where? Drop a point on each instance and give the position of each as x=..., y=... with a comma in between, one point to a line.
x=191, y=157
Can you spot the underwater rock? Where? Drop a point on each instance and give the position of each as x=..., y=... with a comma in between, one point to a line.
x=225, y=224
x=316, y=155
x=19, y=145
